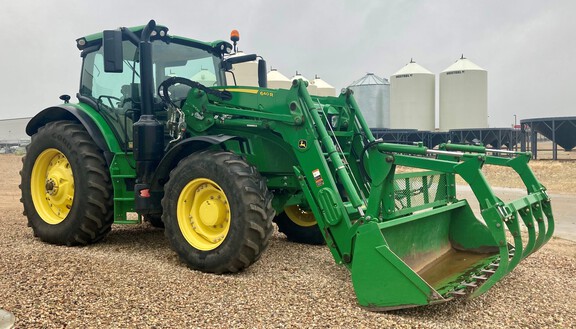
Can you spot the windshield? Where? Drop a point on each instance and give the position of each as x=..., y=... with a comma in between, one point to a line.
x=116, y=95
x=169, y=60
x=173, y=60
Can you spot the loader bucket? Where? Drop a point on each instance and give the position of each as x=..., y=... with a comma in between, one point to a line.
x=427, y=256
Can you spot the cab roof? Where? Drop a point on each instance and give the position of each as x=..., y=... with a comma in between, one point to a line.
x=94, y=41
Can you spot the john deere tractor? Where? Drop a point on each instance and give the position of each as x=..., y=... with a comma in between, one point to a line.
x=218, y=164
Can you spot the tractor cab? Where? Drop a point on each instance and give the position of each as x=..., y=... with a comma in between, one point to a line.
x=111, y=73
x=112, y=86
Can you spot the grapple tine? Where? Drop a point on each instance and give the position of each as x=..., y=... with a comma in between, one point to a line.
x=547, y=209
x=496, y=217
x=526, y=214
x=539, y=217
x=516, y=252
x=502, y=269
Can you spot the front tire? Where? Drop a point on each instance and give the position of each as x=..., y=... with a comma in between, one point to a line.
x=299, y=226
x=217, y=212
x=66, y=187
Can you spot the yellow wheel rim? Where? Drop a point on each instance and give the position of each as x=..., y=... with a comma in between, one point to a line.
x=300, y=217
x=203, y=214
x=52, y=186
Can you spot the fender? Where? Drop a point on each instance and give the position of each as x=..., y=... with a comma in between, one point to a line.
x=180, y=151
x=69, y=112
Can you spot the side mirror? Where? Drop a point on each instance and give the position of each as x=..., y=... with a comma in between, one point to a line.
x=113, y=52
x=262, y=76
x=241, y=59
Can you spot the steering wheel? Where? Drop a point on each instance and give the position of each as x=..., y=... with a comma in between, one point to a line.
x=163, y=89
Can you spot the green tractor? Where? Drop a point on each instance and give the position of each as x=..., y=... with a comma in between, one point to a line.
x=218, y=164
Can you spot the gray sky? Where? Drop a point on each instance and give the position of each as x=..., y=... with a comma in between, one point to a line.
x=527, y=47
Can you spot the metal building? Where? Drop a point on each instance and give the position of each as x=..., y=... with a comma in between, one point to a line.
x=463, y=96
x=561, y=131
x=412, y=98
x=13, y=134
x=373, y=96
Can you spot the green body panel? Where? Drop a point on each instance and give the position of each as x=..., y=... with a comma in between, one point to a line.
x=121, y=172
x=104, y=127
x=405, y=237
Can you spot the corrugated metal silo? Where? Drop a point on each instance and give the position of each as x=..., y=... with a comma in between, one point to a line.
x=463, y=96
x=412, y=98
x=278, y=80
x=372, y=94
x=323, y=87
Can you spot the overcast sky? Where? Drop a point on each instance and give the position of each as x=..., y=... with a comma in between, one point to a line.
x=527, y=47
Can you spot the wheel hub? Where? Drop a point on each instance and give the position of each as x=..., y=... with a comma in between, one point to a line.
x=51, y=186
x=212, y=212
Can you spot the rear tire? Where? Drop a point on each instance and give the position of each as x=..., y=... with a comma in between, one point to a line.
x=66, y=188
x=299, y=226
x=217, y=212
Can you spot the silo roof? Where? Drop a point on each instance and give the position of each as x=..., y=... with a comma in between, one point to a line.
x=321, y=83
x=412, y=68
x=463, y=64
x=369, y=79
x=204, y=75
x=299, y=76
x=274, y=75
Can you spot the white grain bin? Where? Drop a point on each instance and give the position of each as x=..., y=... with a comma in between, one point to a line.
x=412, y=98
x=323, y=87
x=278, y=80
x=463, y=96
x=246, y=73
x=205, y=77
x=312, y=89
x=372, y=94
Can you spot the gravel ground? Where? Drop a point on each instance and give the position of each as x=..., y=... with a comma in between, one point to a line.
x=133, y=279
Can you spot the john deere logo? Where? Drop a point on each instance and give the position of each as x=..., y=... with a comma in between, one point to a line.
x=302, y=144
